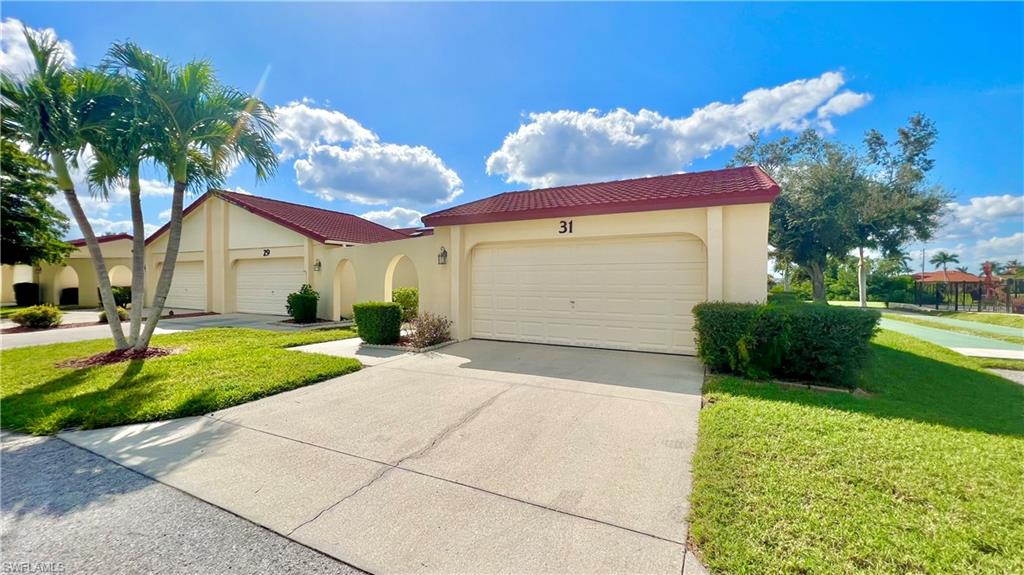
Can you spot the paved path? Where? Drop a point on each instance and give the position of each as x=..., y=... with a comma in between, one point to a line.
x=960, y=342
x=481, y=457
x=953, y=322
x=66, y=510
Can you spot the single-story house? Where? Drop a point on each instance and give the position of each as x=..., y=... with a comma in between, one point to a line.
x=612, y=265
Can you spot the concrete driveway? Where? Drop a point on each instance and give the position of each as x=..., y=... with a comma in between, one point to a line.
x=483, y=457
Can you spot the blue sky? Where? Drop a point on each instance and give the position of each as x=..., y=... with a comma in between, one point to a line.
x=397, y=110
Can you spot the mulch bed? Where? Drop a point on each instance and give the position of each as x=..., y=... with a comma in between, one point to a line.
x=314, y=322
x=117, y=356
x=23, y=329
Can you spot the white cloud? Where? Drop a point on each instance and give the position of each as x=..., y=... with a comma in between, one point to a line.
x=103, y=226
x=1001, y=248
x=981, y=216
x=164, y=216
x=338, y=158
x=840, y=105
x=569, y=146
x=301, y=126
x=396, y=217
x=377, y=174
x=15, y=57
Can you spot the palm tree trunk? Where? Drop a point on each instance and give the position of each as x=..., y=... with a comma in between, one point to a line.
x=862, y=279
x=138, y=256
x=60, y=168
x=163, y=284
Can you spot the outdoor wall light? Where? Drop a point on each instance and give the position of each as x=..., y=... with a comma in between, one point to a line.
x=442, y=256
x=317, y=266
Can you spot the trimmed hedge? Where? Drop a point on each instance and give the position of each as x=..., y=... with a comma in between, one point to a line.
x=26, y=294
x=122, y=314
x=809, y=342
x=122, y=295
x=38, y=316
x=409, y=299
x=378, y=322
x=302, y=304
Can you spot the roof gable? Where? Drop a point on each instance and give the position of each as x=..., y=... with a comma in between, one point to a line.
x=729, y=186
x=319, y=224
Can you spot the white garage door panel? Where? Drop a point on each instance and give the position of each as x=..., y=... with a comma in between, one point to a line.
x=262, y=286
x=188, y=287
x=634, y=294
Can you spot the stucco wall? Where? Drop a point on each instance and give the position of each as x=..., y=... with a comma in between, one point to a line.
x=52, y=278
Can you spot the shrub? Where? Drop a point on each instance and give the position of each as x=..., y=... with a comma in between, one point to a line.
x=122, y=314
x=430, y=330
x=122, y=295
x=409, y=299
x=38, y=316
x=378, y=322
x=26, y=294
x=816, y=343
x=302, y=304
x=69, y=296
x=784, y=298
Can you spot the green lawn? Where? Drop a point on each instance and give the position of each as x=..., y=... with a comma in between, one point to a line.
x=923, y=320
x=1004, y=319
x=926, y=475
x=217, y=368
x=871, y=304
x=8, y=310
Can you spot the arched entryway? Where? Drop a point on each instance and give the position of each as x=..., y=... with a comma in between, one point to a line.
x=66, y=286
x=120, y=276
x=401, y=273
x=344, y=290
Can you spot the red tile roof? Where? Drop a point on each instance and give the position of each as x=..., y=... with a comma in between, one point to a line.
x=101, y=239
x=415, y=232
x=320, y=224
x=941, y=276
x=730, y=186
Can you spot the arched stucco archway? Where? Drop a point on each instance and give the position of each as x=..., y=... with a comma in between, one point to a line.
x=67, y=278
x=401, y=273
x=120, y=276
x=344, y=290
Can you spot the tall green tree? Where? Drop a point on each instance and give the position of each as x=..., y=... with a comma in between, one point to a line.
x=45, y=110
x=30, y=227
x=200, y=129
x=813, y=216
x=899, y=206
x=942, y=259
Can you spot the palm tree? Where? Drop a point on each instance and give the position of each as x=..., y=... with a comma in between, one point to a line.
x=203, y=128
x=45, y=110
x=963, y=269
x=943, y=259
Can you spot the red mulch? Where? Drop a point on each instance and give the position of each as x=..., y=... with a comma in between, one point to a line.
x=314, y=322
x=23, y=329
x=116, y=356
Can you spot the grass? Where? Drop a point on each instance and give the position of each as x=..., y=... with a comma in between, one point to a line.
x=871, y=304
x=996, y=363
x=922, y=476
x=1003, y=319
x=954, y=328
x=217, y=368
x=9, y=310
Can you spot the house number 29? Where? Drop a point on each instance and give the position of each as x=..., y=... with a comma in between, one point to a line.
x=266, y=253
x=565, y=227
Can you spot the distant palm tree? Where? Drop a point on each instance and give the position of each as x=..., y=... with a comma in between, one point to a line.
x=962, y=269
x=943, y=259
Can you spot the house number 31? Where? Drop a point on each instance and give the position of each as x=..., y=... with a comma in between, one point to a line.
x=565, y=227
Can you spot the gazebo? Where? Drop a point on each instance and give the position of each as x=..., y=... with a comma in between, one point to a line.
x=955, y=290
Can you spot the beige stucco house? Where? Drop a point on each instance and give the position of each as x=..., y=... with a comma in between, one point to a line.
x=613, y=265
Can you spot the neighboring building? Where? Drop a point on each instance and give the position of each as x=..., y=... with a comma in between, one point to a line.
x=76, y=272
x=945, y=277
x=613, y=265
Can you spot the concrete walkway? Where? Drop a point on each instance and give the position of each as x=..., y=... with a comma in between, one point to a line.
x=66, y=510
x=971, y=345
x=482, y=457
x=953, y=322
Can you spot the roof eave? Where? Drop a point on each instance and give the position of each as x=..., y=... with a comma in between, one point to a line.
x=761, y=196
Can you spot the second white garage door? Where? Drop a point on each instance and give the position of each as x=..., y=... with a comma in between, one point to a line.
x=262, y=286
x=633, y=294
x=188, y=286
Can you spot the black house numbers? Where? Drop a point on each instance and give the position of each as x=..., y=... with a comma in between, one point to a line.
x=266, y=253
x=565, y=227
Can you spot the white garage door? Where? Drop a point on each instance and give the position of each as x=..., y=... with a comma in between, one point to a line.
x=188, y=286
x=262, y=286
x=634, y=294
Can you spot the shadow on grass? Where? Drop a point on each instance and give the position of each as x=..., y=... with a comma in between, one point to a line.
x=913, y=387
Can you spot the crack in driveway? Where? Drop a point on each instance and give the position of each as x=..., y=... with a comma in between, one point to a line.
x=414, y=455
